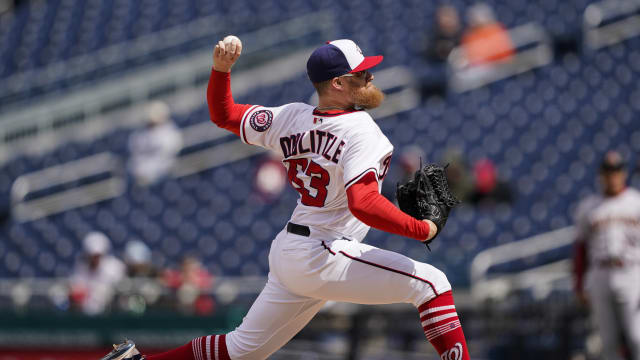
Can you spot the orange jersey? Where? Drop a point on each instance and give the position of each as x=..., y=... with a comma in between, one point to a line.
x=487, y=43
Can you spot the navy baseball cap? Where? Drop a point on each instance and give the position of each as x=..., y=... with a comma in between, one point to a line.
x=337, y=58
x=612, y=161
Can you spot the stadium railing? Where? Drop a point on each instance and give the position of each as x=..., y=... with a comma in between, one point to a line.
x=62, y=187
x=156, y=80
x=610, y=22
x=536, y=274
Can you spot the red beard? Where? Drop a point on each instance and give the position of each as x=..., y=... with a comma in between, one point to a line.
x=367, y=97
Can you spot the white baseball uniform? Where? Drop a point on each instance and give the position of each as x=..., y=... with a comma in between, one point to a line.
x=320, y=256
x=610, y=228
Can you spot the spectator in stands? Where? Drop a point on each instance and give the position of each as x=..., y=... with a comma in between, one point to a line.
x=191, y=286
x=460, y=180
x=94, y=278
x=142, y=287
x=446, y=34
x=607, y=260
x=153, y=150
x=488, y=188
x=137, y=258
x=485, y=40
x=442, y=39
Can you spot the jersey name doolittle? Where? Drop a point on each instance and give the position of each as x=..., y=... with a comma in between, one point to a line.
x=316, y=141
x=324, y=154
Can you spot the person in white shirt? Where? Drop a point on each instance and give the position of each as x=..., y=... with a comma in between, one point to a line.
x=153, y=150
x=607, y=260
x=96, y=275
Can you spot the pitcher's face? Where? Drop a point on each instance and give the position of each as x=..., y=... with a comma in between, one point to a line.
x=363, y=93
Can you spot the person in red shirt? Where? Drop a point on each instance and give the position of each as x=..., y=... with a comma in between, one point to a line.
x=191, y=285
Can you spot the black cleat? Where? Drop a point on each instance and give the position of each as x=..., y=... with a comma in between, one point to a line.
x=125, y=351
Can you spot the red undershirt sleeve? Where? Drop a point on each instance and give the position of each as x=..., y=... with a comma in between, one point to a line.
x=223, y=111
x=579, y=264
x=373, y=209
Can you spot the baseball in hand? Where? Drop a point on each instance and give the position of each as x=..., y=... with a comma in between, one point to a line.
x=226, y=53
x=229, y=38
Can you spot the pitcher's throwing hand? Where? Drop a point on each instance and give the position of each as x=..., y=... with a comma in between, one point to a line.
x=226, y=53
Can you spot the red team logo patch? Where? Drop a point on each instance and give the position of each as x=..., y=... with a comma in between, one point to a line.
x=261, y=120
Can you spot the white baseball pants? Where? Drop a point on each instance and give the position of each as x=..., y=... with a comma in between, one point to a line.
x=305, y=272
x=615, y=301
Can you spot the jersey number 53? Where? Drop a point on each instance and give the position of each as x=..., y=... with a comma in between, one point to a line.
x=319, y=179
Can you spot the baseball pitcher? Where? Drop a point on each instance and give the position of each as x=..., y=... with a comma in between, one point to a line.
x=336, y=158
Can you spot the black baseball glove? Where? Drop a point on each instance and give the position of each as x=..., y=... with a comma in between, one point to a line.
x=427, y=196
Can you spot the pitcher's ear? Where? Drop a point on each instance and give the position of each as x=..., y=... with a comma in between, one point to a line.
x=337, y=83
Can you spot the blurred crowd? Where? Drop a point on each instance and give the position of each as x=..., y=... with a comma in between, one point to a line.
x=483, y=42
x=102, y=282
x=477, y=184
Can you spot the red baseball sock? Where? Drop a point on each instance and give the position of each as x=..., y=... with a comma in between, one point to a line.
x=212, y=347
x=442, y=327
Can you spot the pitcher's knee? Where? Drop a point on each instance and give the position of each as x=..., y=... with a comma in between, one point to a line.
x=432, y=285
x=242, y=345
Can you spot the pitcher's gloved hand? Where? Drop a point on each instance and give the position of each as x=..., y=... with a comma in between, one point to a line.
x=427, y=196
